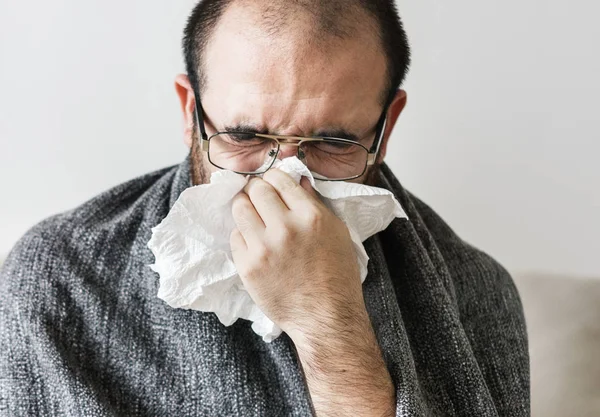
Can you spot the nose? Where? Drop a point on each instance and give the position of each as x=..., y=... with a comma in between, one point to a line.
x=286, y=151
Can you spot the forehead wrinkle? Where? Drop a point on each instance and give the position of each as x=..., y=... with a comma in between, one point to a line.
x=277, y=83
x=296, y=121
x=293, y=109
x=283, y=113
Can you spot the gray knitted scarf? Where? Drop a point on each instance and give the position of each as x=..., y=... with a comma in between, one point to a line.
x=82, y=332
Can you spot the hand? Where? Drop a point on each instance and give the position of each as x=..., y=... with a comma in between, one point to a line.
x=298, y=263
x=294, y=256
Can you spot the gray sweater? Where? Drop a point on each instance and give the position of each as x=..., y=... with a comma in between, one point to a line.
x=82, y=332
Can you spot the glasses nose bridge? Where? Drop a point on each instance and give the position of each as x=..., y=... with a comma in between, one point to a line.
x=289, y=141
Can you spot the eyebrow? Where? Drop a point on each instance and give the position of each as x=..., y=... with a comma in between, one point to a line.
x=252, y=128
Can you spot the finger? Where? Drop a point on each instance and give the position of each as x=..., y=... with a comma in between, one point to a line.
x=238, y=246
x=266, y=200
x=247, y=220
x=305, y=183
x=307, y=186
x=292, y=194
x=237, y=242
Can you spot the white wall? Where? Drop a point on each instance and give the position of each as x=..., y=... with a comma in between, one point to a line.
x=500, y=134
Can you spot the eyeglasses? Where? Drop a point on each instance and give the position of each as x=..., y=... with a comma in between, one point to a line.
x=328, y=158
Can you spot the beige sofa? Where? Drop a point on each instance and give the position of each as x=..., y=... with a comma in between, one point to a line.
x=563, y=319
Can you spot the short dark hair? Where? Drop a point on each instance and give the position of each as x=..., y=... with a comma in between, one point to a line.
x=206, y=14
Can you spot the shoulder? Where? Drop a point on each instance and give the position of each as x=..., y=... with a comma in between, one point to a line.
x=74, y=240
x=476, y=276
x=471, y=269
x=456, y=252
x=491, y=313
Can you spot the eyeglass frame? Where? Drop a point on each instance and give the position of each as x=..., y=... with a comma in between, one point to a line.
x=295, y=141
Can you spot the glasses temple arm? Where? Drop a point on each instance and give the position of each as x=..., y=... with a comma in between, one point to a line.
x=200, y=120
x=381, y=125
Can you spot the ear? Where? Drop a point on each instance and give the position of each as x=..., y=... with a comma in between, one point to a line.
x=185, y=92
x=393, y=113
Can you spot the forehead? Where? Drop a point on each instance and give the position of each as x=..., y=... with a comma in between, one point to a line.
x=288, y=83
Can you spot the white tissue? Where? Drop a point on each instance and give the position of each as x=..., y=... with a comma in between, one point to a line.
x=193, y=254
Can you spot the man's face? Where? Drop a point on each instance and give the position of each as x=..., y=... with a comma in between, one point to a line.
x=284, y=85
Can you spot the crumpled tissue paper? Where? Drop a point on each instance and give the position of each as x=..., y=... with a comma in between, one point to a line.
x=193, y=254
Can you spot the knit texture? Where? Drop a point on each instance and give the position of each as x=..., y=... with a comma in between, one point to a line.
x=82, y=332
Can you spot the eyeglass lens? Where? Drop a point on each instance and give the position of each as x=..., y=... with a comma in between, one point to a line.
x=249, y=154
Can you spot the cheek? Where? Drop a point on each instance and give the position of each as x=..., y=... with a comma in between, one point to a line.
x=208, y=167
x=371, y=177
x=200, y=166
x=366, y=178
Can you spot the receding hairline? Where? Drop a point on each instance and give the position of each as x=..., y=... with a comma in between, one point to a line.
x=318, y=28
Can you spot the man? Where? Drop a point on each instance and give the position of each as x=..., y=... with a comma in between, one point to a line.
x=436, y=329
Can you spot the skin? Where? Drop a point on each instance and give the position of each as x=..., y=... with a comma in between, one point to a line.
x=289, y=87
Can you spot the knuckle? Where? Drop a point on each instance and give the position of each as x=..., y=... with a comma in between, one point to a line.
x=247, y=269
x=239, y=206
x=315, y=217
x=260, y=189
x=240, y=210
x=290, y=186
x=261, y=255
x=270, y=175
x=282, y=180
x=284, y=235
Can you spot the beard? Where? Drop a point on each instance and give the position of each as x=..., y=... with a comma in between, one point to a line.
x=200, y=173
x=371, y=177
